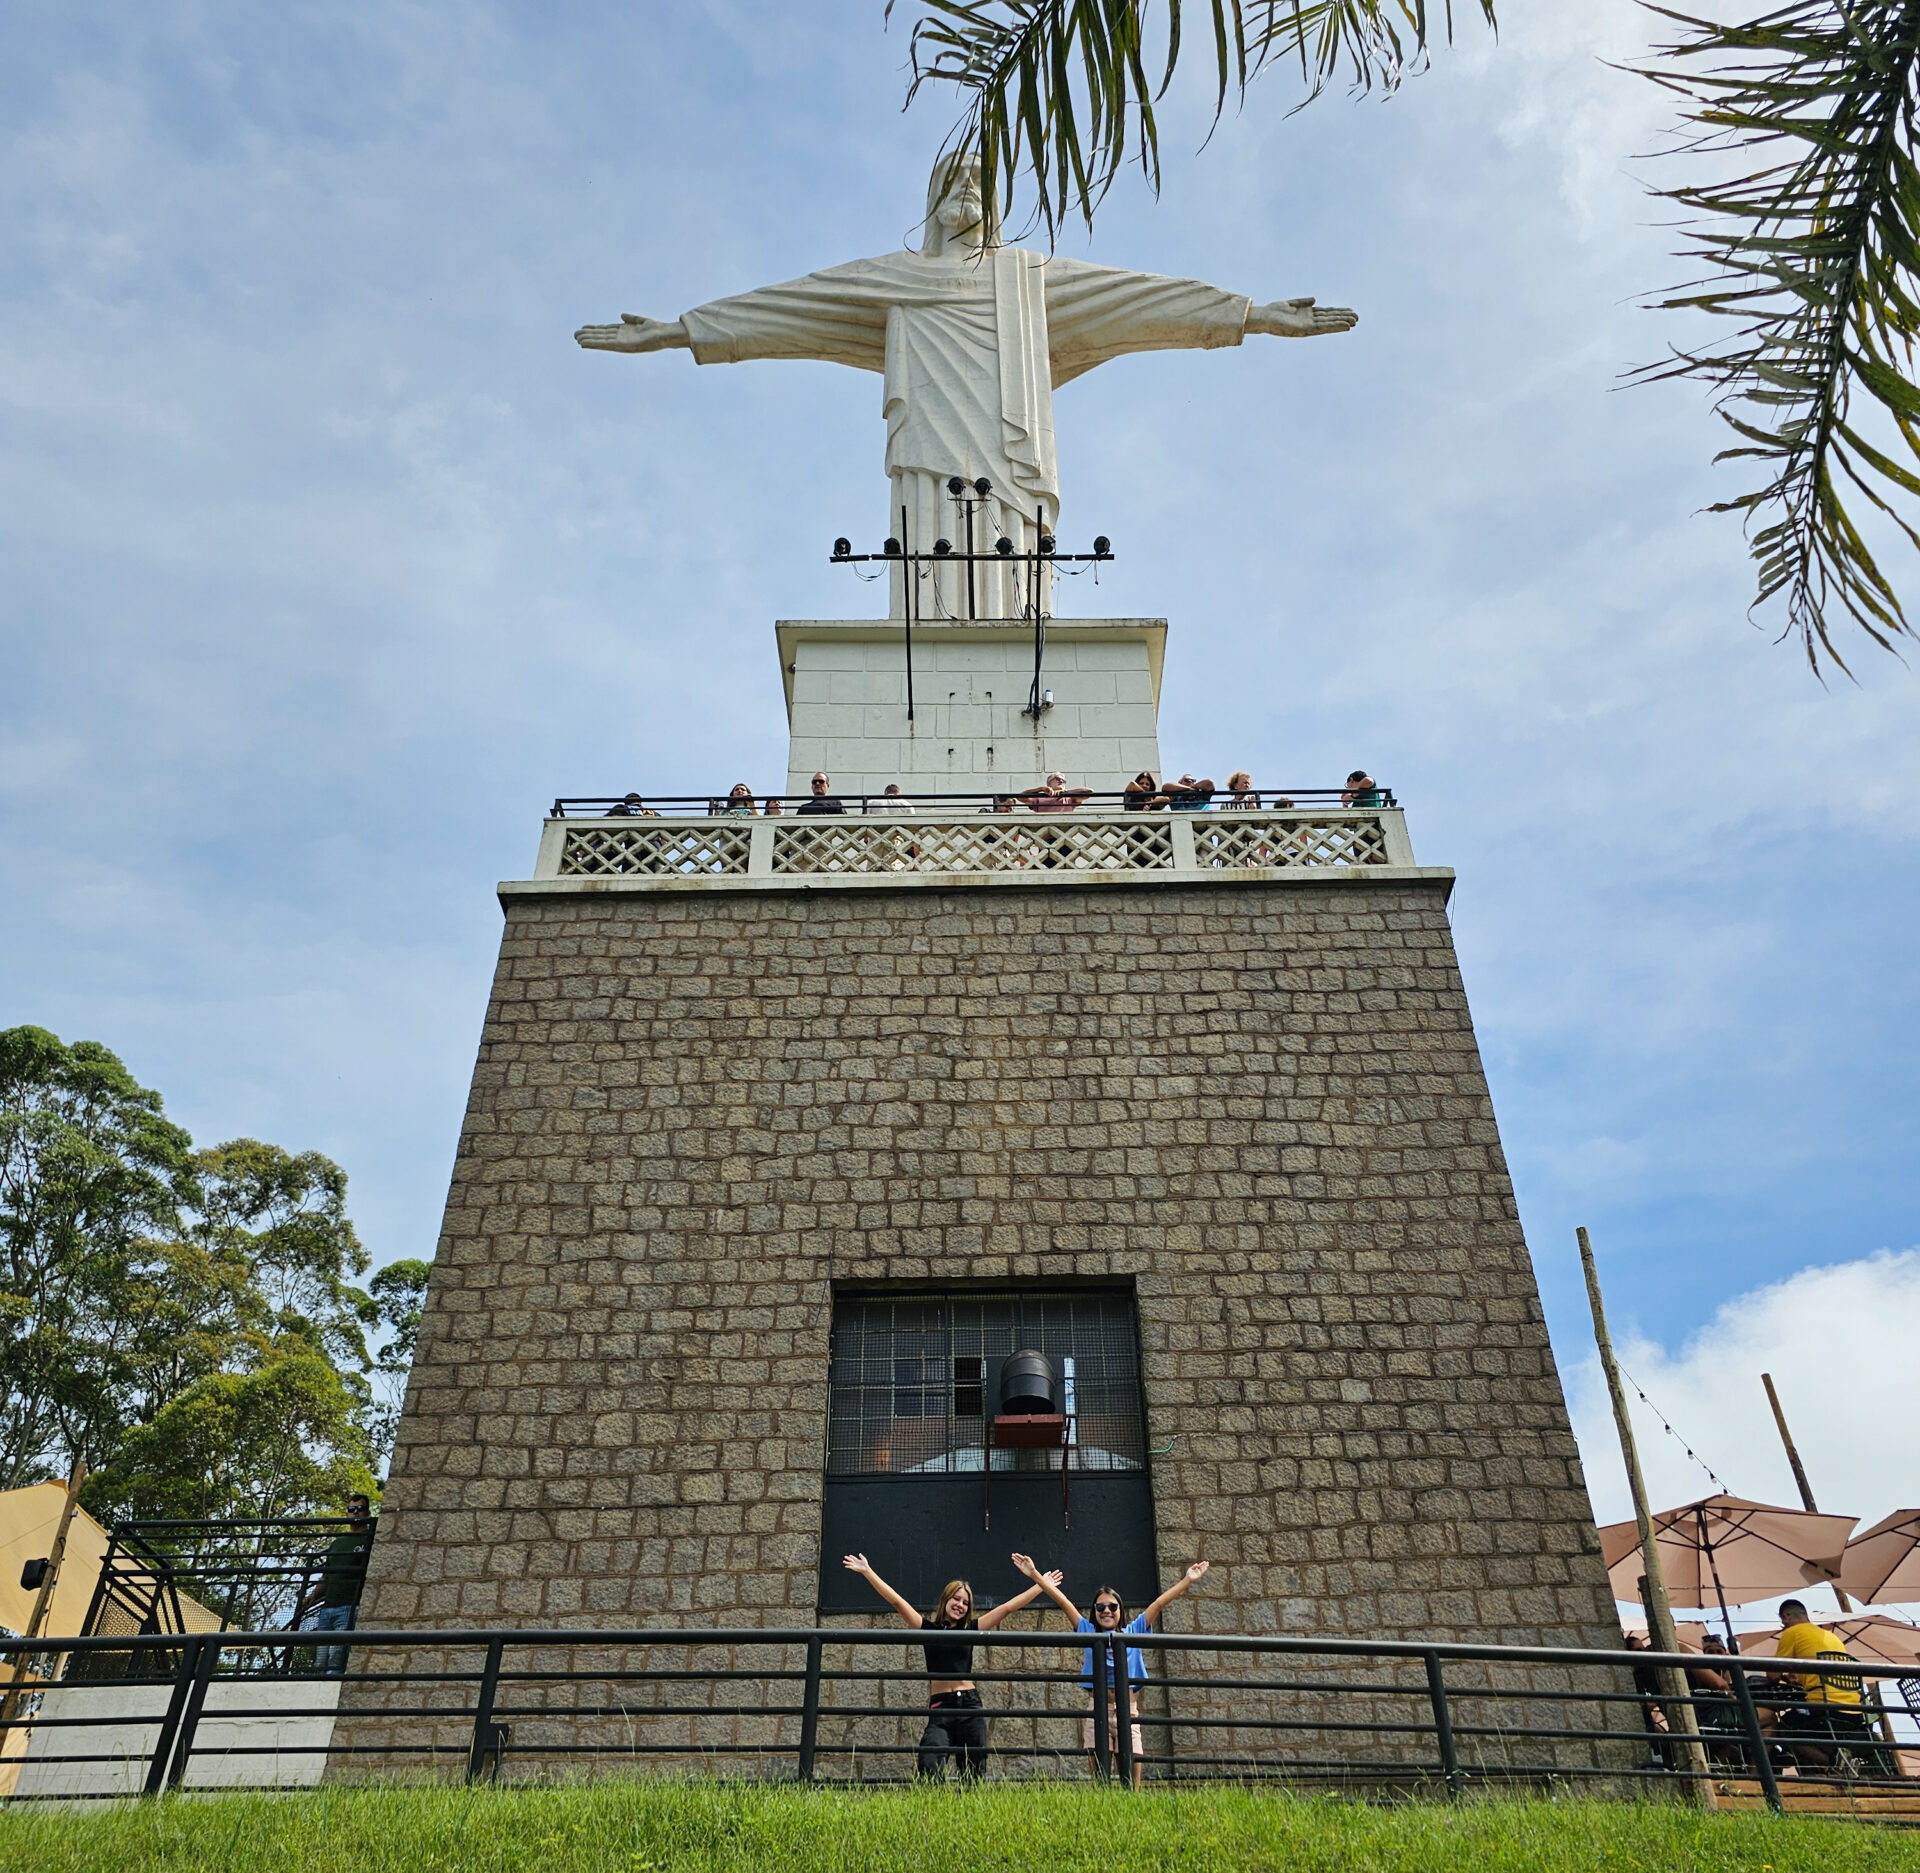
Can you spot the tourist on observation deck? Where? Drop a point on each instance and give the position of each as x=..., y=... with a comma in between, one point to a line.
x=822, y=801
x=891, y=801
x=1142, y=794
x=1189, y=795
x=1360, y=790
x=1053, y=795
x=739, y=801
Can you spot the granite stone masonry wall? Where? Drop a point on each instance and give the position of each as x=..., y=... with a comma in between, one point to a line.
x=1261, y=1105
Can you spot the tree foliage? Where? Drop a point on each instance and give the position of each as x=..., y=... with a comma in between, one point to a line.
x=189, y=1322
x=1801, y=127
x=92, y=1176
x=1065, y=91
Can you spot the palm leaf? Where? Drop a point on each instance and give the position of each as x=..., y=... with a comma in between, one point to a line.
x=1814, y=255
x=1064, y=91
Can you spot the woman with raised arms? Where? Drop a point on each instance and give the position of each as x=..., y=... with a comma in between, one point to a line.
x=956, y=1719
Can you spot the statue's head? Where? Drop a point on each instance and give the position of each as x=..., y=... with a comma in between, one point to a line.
x=958, y=220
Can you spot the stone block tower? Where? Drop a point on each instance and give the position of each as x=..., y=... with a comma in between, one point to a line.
x=784, y=1131
x=787, y=1132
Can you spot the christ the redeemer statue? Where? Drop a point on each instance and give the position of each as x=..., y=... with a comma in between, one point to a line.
x=971, y=338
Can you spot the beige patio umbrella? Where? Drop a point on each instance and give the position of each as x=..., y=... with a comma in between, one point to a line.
x=1884, y=1563
x=1725, y=1551
x=1873, y=1636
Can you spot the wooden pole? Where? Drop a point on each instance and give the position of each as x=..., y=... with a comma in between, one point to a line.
x=1799, y=1474
x=1659, y=1608
x=1813, y=1508
x=43, y=1601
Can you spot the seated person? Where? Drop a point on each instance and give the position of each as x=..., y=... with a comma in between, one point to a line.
x=1188, y=795
x=1143, y=794
x=821, y=801
x=1828, y=1709
x=1715, y=1712
x=1053, y=795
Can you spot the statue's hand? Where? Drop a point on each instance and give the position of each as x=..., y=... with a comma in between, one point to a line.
x=1300, y=318
x=635, y=332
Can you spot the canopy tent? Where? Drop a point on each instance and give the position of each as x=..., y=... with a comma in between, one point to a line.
x=1884, y=1563
x=1724, y=1551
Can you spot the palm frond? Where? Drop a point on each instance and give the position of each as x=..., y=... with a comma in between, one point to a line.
x=1064, y=91
x=1815, y=256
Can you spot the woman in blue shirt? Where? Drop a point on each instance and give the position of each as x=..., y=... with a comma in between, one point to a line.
x=1108, y=1616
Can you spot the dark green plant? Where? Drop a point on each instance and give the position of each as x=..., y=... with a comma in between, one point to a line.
x=186, y=1321
x=1065, y=90
x=1809, y=224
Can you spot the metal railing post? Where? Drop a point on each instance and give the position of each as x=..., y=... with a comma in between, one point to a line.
x=1102, y=1756
x=183, y=1679
x=1443, y=1725
x=485, y=1747
x=1756, y=1737
x=810, y=1710
x=190, y=1716
x=1122, y=1709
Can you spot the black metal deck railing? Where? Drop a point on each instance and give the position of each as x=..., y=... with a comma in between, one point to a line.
x=718, y=805
x=1355, y=1714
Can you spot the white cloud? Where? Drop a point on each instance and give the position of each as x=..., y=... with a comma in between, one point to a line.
x=1839, y=1343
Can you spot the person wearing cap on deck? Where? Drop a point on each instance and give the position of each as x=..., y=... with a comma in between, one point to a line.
x=1054, y=795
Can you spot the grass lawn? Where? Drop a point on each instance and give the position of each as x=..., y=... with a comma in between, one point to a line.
x=633, y=1827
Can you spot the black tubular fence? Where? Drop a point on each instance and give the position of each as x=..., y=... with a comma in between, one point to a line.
x=1368, y=1717
x=1171, y=797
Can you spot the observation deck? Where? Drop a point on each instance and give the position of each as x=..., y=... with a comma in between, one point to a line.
x=908, y=842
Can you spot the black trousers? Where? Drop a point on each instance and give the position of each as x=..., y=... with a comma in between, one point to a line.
x=957, y=1731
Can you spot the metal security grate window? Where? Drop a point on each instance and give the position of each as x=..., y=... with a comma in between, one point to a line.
x=908, y=1379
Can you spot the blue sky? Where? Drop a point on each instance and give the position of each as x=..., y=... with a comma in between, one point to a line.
x=330, y=560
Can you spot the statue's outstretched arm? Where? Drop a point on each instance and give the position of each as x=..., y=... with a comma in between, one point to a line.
x=635, y=332
x=1298, y=318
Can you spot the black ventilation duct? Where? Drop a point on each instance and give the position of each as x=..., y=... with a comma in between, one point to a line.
x=1029, y=1387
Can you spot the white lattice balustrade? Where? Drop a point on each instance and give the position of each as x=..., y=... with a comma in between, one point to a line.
x=1036, y=848
x=649, y=848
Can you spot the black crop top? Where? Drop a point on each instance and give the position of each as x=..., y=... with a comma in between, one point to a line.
x=950, y=1658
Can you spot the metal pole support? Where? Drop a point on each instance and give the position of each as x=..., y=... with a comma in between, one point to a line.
x=810, y=1712
x=1443, y=1726
x=1102, y=1755
x=1122, y=1708
x=483, y=1755
x=1756, y=1737
x=162, y=1756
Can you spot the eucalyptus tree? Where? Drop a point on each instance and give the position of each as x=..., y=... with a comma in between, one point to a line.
x=187, y=1321
x=1797, y=131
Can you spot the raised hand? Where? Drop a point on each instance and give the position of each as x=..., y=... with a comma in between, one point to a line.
x=635, y=332
x=1052, y=1577
x=1196, y=1570
x=1024, y=1562
x=856, y=1563
x=1301, y=318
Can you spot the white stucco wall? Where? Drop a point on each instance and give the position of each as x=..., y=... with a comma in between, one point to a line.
x=846, y=687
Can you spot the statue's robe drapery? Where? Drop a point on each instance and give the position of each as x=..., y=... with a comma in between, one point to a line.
x=971, y=349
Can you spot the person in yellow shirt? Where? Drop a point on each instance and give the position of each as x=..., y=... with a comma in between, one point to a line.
x=1828, y=1706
